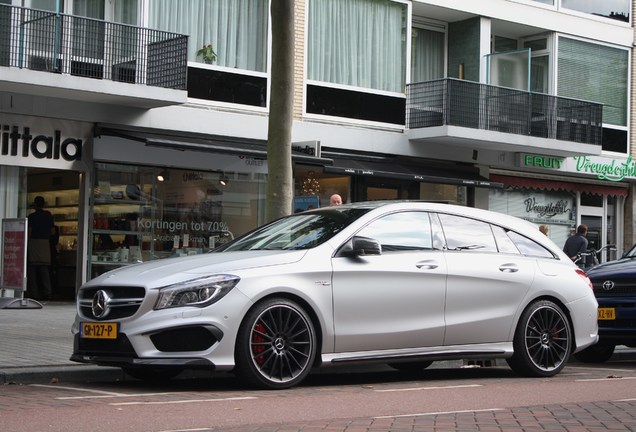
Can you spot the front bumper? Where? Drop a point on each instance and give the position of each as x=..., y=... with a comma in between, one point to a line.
x=175, y=348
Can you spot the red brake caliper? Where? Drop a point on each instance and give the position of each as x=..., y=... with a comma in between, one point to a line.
x=257, y=340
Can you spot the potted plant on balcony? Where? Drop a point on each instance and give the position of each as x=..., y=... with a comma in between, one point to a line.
x=208, y=54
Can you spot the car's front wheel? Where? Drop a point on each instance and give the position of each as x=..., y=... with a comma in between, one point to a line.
x=276, y=345
x=542, y=342
x=598, y=353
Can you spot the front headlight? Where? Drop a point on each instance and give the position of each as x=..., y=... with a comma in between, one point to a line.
x=196, y=292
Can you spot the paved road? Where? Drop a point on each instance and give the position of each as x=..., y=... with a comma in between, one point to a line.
x=44, y=390
x=461, y=399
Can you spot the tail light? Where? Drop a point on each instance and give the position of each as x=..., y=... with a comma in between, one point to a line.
x=584, y=276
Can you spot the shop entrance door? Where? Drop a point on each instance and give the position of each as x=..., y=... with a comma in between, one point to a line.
x=60, y=190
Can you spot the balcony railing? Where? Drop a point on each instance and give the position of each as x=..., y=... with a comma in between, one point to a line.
x=480, y=106
x=85, y=47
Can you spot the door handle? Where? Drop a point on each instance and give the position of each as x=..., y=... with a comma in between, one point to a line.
x=427, y=265
x=509, y=268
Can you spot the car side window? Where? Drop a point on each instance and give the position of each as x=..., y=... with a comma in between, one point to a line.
x=528, y=247
x=467, y=234
x=401, y=231
x=504, y=243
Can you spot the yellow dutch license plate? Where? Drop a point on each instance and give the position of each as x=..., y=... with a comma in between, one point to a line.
x=105, y=330
x=606, y=314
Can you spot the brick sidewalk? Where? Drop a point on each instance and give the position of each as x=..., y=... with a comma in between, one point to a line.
x=582, y=417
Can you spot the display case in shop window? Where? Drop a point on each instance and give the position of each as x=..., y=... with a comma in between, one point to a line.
x=122, y=203
x=146, y=213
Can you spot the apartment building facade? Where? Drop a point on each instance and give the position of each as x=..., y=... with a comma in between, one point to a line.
x=143, y=148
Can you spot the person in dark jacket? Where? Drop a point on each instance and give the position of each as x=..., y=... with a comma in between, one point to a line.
x=41, y=228
x=577, y=244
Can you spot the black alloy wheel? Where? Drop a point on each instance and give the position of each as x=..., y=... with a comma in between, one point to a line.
x=543, y=341
x=276, y=345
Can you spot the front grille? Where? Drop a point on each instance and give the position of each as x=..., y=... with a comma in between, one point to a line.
x=124, y=301
x=621, y=287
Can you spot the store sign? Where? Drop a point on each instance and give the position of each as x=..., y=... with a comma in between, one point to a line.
x=612, y=171
x=14, y=243
x=600, y=167
x=546, y=209
x=310, y=148
x=540, y=161
x=43, y=142
x=15, y=142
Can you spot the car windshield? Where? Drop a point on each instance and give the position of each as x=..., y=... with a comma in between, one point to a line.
x=298, y=231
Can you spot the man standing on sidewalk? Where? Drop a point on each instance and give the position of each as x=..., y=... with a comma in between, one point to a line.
x=41, y=227
x=577, y=244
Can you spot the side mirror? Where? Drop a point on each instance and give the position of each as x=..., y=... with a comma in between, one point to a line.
x=361, y=246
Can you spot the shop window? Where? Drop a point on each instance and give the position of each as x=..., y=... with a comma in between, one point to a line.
x=310, y=181
x=146, y=213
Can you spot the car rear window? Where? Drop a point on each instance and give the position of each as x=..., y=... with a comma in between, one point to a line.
x=528, y=247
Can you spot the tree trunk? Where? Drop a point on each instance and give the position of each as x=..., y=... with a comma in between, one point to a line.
x=279, y=178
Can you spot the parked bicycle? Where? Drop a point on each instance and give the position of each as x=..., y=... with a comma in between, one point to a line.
x=593, y=256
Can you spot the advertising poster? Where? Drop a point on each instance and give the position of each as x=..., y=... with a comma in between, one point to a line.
x=14, y=249
x=302, y=203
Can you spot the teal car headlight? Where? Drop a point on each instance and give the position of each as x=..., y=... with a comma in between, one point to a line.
x=198, y=292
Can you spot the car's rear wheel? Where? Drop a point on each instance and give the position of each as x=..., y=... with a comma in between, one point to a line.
x=276, y=345
x=598, y=353
x=411, y=366
x=542, y=342
x=152, y=373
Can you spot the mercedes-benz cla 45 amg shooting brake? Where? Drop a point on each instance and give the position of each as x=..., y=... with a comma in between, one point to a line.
x=402, y=283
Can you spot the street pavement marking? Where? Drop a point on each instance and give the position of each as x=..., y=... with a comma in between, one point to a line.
x=78, y=389
x=189, y=430
x=116, y=395
x=428, y=388
x=605, y=369
x=440, y=413
x=625, y=400
x=183, y=401
x=607, y=379
x=101, y=394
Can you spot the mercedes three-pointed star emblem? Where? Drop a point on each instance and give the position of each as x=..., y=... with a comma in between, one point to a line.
x=101, y=303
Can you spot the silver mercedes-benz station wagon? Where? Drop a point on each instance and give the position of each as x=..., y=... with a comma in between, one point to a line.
x=401, y=283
